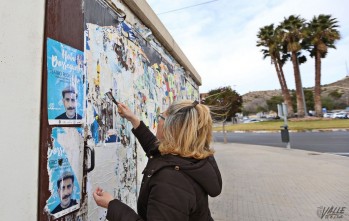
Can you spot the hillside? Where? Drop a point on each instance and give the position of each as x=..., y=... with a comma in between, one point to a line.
x=260, y=94
x=341, y=88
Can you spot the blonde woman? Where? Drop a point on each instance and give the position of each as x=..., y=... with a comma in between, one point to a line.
x=181, y=171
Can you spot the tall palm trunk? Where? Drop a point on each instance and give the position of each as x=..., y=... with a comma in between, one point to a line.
x=287, y=98
x=317, y=89
x=299, y=89
x=285, y=92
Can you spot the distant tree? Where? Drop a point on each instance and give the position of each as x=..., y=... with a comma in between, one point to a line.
x=273, y=102
x=321, y=34
x=255, y=106
x=269, y=38
x=327, y=103
x=340, y=105
x=261, y=109
x=224, y=102
x=335, y=94
x=309, y=98
x=292, y=34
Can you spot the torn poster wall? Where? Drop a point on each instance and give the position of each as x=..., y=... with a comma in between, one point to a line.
x=65, y=165
x=138, y=72
x=142, y=78
x=65, y=86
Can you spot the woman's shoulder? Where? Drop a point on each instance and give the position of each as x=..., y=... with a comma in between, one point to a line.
x=171, y=179
x=169, y=169
x=166, y=165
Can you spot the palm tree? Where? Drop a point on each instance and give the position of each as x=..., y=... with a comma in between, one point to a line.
x=321, y=35
x=292, y=33
x=269, y=38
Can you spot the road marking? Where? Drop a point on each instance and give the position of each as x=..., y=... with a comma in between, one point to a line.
x=338, y=153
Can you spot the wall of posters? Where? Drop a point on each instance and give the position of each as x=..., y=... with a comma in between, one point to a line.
x=142, y=76
x=65, y=165
x=65, y=84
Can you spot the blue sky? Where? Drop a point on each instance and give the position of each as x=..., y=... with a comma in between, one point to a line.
x=219, y=39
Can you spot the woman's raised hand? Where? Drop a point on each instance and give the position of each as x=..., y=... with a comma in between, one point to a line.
x=126, y=113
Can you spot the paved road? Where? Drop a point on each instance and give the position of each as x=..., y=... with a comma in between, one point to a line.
x=262, y=183
x=325, y=142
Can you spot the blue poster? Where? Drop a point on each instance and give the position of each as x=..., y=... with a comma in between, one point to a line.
x=64, y=165
x=65, y=84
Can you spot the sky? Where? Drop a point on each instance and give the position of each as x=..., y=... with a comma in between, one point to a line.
x=219, y=39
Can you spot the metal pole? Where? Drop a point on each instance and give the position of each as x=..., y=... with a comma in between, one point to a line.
x=225, y=133
x=284, y=107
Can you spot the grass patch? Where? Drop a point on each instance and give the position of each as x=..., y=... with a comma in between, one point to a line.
x=293, y=125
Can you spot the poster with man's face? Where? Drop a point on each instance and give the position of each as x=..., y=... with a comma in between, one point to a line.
x=65, y=169
x=65, y=86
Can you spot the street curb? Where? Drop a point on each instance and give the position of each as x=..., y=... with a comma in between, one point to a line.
x=276, y=149
x=278, y=131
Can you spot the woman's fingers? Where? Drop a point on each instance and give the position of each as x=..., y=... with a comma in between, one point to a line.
x=99, y=191
x=120, y=109
x=102, y=198
x=121, y=105
x=123, y=110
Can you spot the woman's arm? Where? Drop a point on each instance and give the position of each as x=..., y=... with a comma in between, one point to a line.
x=117, y=211
x=145, y=137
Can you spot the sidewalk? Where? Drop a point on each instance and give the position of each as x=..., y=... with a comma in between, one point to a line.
x=269, y=183
x=278, y=131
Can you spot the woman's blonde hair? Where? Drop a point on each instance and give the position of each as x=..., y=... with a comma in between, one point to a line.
x=187, y=130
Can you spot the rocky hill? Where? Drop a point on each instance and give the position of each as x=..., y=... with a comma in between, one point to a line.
x=339, y=88
x=266, y=95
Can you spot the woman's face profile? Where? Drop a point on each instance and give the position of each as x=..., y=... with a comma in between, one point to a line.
x=161, y=120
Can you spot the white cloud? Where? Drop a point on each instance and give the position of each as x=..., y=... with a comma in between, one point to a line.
x=219, y=39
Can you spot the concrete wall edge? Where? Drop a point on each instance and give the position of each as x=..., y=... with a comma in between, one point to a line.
x=145, y=13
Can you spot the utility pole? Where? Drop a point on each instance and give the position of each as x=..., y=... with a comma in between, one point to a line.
x=225, y=132
x=285, y=136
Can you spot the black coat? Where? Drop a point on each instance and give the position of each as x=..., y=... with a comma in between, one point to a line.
x=173, y=188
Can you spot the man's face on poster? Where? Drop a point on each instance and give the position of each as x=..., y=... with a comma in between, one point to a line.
x=69, y=102
x=64, y=191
